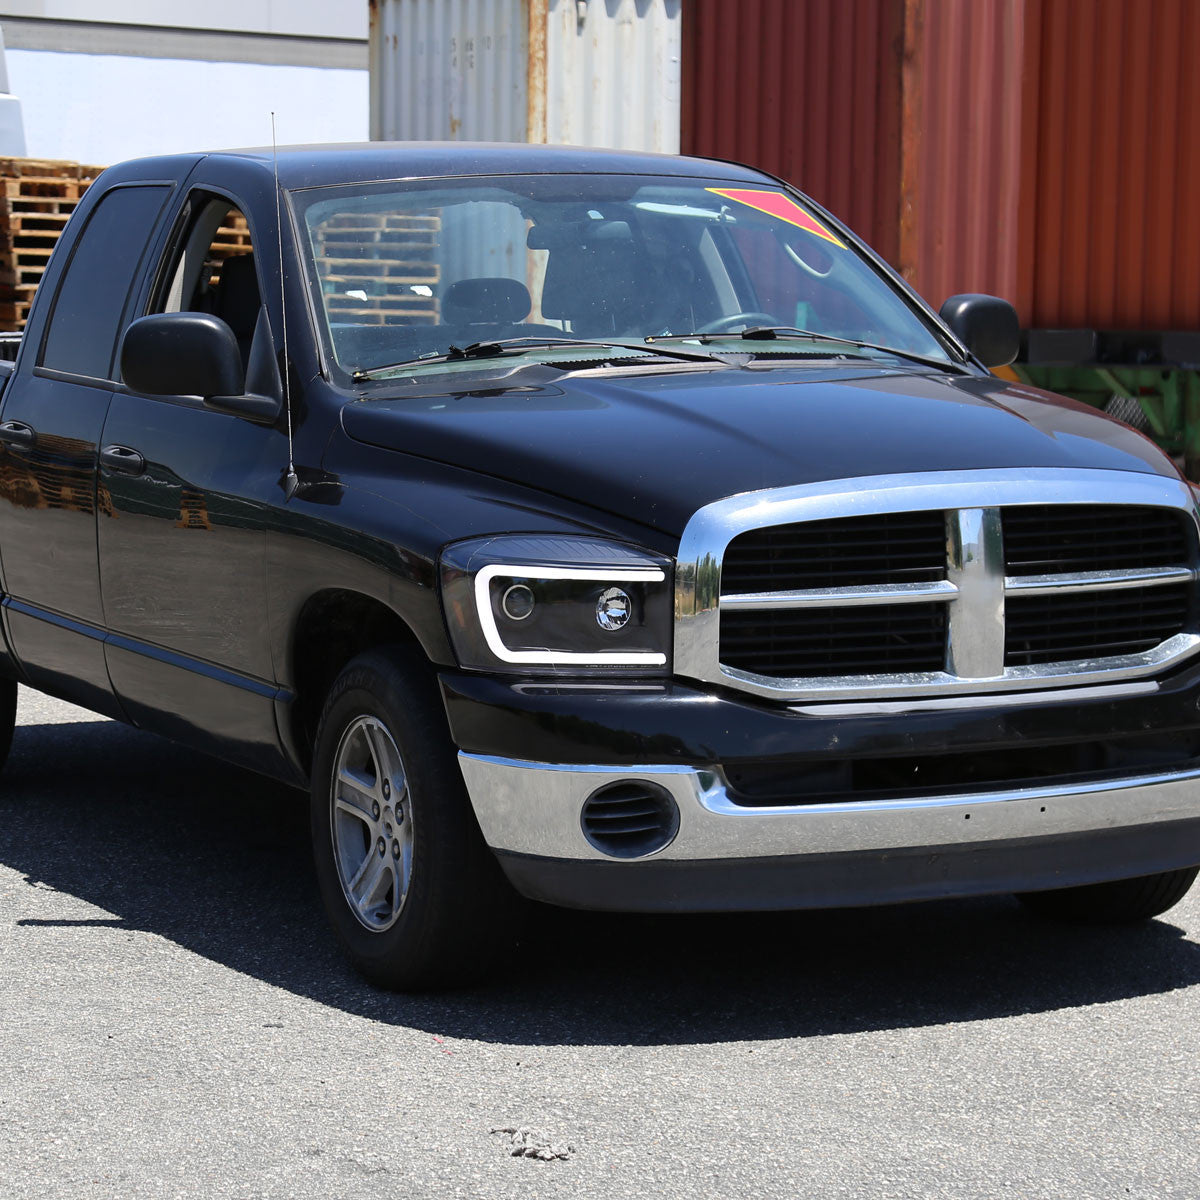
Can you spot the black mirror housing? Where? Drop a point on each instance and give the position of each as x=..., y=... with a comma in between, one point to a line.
x=986, y=325
x=182, y=354
x=196, y=354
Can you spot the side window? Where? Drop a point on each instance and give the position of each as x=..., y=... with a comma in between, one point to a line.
x=92, y=293
x=213, y=269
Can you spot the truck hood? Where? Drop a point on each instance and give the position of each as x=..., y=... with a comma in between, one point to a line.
x=654, y=447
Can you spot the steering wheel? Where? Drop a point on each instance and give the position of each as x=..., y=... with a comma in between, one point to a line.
x=726, y=324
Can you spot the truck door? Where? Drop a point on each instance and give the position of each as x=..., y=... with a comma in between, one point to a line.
x=50, y=422
x=182, y=541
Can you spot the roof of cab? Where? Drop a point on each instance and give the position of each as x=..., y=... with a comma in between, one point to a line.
x=363, y=162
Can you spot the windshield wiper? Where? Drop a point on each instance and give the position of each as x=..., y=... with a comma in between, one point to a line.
x=505, y=346
x=767, y=333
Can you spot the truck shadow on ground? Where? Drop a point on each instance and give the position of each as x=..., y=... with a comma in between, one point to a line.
x=177, y=844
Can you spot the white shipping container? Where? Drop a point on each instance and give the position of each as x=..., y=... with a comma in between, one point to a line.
x=580, y=72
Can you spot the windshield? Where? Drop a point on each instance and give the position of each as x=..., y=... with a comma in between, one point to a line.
x=411, y=271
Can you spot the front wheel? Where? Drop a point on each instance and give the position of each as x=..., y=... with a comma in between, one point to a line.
x=1114, y=903
x=413, y=894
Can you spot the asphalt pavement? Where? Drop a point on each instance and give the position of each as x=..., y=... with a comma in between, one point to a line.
x=175, y=1021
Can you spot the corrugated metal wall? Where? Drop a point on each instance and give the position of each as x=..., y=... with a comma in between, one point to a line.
x=612, y=79
x=598, y=74
x=962, y=147
x=448, y=69
x=808, y=91
x=1117, y=165
x=1044, y=150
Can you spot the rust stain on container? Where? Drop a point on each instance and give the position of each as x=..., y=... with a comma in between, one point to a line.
x=965, y=138
x=535, y=69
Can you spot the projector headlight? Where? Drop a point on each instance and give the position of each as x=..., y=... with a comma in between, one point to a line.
x=540, y=604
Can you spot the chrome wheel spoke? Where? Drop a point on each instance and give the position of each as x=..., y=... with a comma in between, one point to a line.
x=376, y=873
x=379, y=753
x=355, y=794
x=352, y=884
x=399, y=874
x=353, y=810
x=400, y=799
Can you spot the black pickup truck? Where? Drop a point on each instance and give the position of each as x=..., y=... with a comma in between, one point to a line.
x=613, y=530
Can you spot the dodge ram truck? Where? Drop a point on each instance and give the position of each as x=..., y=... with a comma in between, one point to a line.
x=610, y=530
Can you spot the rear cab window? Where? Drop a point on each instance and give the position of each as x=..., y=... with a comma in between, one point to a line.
x=90, y=302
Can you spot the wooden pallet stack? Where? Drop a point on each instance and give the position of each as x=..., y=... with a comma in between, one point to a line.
x=232, y=238
x=38, y=198
x=379, y=268
x=376, y=268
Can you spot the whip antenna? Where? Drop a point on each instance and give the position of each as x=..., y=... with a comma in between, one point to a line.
x=291, y=479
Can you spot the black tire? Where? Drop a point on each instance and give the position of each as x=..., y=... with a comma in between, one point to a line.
x=8, y=716
x=1124, y=900
x=454, y=908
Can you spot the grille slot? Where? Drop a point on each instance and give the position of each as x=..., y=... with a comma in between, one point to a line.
x=980, y=768
x=1059, y=539
x=1059, y=628
x=814, y=643
x=845, y=552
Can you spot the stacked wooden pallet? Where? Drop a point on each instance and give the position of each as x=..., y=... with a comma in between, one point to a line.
x=379, y=268
x=376, y=268
x=38, y=197
x=232, y=238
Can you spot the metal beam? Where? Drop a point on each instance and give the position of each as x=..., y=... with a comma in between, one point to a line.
x=205, y=45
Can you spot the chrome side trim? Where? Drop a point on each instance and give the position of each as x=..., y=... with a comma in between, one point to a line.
x=880, y=708
x=976, y=648
x=533, y=808
x=843, y=597
x=1097, y=581
x=878, y=687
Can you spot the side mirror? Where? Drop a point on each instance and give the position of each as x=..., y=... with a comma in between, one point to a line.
x=986, y=325
x=182, y=354
x=197, y=354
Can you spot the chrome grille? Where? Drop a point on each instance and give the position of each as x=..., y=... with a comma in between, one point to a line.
x=964, y=581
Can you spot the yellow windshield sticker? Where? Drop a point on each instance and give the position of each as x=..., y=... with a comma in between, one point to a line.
x=776, y=204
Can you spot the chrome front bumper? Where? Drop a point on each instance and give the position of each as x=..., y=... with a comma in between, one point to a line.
x=534, y=808
x=727, y=857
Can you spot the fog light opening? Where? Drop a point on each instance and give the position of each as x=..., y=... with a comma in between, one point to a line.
x=630, y=819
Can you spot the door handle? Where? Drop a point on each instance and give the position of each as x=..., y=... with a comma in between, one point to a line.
x=17, y=434
x=122, y=460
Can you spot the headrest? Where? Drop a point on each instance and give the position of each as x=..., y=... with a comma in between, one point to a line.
x=494, y=301
x=237, y=294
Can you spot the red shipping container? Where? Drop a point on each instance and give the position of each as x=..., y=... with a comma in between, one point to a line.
x=1044, y=150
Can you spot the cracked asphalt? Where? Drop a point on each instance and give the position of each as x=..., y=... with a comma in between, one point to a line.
x=175, y=1021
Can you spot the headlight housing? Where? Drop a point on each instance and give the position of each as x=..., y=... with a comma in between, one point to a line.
x=547, y=604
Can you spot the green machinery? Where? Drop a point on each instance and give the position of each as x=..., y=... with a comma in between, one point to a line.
x=1149, y=380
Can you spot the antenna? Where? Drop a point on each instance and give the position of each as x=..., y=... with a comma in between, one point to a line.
x=291, y=481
